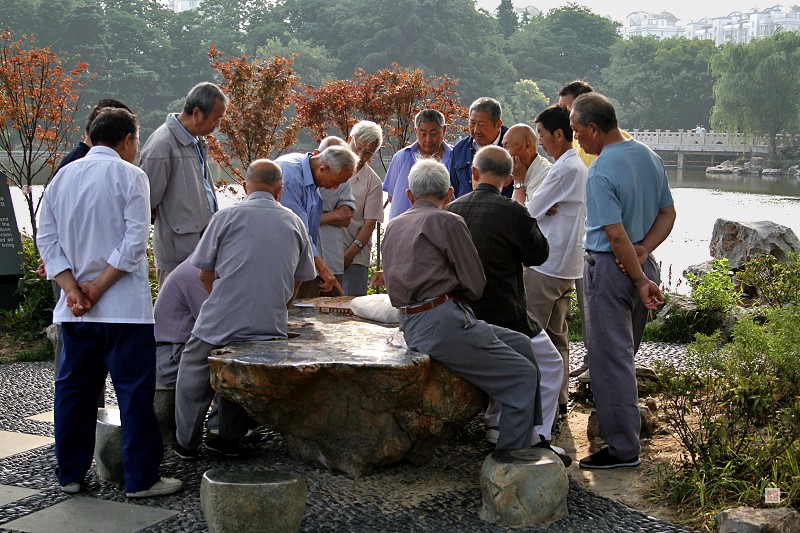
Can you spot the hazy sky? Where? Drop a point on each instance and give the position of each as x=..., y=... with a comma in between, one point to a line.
x=685, y=10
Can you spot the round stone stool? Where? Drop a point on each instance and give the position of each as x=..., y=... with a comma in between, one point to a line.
x=108, y=446
x=240, y=500
x=523, y=487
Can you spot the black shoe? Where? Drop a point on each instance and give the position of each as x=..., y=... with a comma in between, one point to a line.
x=563, y=411
x=566, y=459
x=183, y=453
x=222, y=446
x=604, y=460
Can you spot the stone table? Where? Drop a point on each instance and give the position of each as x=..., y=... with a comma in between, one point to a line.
x=344, y=397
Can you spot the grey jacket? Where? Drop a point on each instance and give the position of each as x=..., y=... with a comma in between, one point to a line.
x=177, y=196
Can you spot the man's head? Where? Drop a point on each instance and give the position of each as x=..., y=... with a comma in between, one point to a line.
x=492, y=165
x=117, y=129
x=333, y=166
x=365, y=140
x=266, y=176
x=430, y=127
x=520, y=141
x=102, y=104
x=592, y=119
x=204, y=107
x=484, y=120
x=571, y=91
x=555, y=132
x=330, y=140
x=429, y=180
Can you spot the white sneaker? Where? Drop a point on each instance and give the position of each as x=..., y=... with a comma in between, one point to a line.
x=558, y=449
x=492, y=434
x=71, y=488
x=162, y=487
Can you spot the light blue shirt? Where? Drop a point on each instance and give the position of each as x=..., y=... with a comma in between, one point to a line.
x=96, y=213
x=300, y=194
x=396, y=181
x=627, y=183
x=212, y=200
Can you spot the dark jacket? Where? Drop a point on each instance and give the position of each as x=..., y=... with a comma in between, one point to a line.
x=461, y=166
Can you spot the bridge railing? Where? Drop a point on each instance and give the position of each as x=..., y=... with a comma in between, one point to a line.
x=709, y=141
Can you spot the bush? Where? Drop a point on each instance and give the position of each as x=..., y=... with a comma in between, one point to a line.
x=736, y=410
x=715, y=290
x=35, y=311
x=776, y=284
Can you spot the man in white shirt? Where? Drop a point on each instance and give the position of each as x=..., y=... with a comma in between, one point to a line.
x=94, y=227
x=529, y=168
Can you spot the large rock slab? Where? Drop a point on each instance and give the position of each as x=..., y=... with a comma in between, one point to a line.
x=343, y=397
x=751, y=520
x=742, y=241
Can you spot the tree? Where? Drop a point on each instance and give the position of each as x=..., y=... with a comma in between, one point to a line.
x=313, y=64
x=391, y=97
x=507, y=20
x=38, y=100
x=660, y=83
x=755, y=86
x=523, y=102
x=254, y=125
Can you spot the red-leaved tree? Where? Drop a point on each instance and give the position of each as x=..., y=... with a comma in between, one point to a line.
x=254, y=125
x=39, y=96
x=391, y=97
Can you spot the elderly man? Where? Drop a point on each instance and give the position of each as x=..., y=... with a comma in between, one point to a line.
x=529, y=168
x=503, y=253
x=559, y=204
x=93, y=233
x=182, y=194
x=303, y=175
x=251, y=258
x=629, y=212
x=431, y=267
x=485, y=128
x=430, y=128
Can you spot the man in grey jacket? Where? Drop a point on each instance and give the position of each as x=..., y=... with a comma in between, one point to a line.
x=182, y=194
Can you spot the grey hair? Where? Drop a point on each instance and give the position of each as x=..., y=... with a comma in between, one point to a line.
x=331, y=140
x=369, y=132
x=594, y=107
x=204, y=95
x=429, y=178
x=487, y=105
x=429, y=115
x=265, y=172
x=338, y=158
x=493, y=160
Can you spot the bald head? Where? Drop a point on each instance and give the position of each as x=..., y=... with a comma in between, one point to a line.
x=520, y=141
x=492, y=165
x=265, y=176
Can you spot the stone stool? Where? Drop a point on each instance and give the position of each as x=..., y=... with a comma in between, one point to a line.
x=242, y=500
x=108, y=446
x=164, y=404
x=523, y=487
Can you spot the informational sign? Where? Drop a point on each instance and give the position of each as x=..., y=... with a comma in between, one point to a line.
x=10, y=248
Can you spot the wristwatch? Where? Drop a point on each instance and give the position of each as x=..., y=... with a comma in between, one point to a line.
x=519, y=185
x=358, y=243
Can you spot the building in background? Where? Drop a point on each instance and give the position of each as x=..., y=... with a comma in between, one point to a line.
x=662, y=25
x=183, y=5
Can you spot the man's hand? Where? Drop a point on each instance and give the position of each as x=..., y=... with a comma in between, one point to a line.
x=650, y=294
x=350, y=254
x=377, y=279
x=78, y=302
x=341, y=216
x=329, y=283
x=552, y=211
x=518, y=170
x=41, y=270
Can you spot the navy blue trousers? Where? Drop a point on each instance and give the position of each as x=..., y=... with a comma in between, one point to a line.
x=90, y=351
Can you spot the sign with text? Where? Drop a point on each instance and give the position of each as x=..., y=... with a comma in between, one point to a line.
x=10, y=248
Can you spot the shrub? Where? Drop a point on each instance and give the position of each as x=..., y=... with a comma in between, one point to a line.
x=777, y=284
x=35, y=310
x=715, y=290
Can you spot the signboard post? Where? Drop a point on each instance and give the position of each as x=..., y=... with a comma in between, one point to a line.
x=10, y=249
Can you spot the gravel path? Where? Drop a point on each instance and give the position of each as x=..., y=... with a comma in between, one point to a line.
x=442, y=496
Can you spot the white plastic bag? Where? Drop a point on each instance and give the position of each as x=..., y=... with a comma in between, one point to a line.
x=375, y=307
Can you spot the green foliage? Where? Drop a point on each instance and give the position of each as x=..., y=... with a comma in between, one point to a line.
x=312, y=63
x=736, y=410
x=715, y=291
x=523, y=102
x=750, y=79
x=507, y=20
x=777, y=284
x=34, y=312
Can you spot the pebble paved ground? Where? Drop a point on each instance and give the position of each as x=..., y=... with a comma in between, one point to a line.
x=443, y=496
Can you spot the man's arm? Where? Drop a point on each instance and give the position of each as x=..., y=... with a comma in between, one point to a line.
x=329, y=281
x=518, y=172
x=207, y=278
x=465, y=261
x=340, y=217
x=628, y=260
x=659, y=231
x=364, y=234
x=156, y=163
x=77, y=302
x=96, y=287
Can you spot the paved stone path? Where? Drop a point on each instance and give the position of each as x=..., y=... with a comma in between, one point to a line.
x=443, y=496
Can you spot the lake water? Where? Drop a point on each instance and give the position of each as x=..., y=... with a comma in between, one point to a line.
x=700, y=199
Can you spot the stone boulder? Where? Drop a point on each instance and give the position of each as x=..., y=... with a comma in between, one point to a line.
x=741, y=241
x=649, y=420
x=343, y=397
x=751, y=520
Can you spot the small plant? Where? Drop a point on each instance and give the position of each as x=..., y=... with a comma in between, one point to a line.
x=715, y=290
x=34, y=312
x=777, y=284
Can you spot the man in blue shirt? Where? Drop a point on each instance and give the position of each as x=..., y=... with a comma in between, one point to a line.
x=629, y=212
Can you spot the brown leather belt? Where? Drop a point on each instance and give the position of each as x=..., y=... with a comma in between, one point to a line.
x=427, y=306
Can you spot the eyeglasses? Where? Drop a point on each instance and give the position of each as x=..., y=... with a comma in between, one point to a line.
x=361, y=151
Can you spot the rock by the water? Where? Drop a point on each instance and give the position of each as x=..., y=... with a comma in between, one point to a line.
x=523, y=487
x=751, y=520
x=742, y=241
x=343, y=397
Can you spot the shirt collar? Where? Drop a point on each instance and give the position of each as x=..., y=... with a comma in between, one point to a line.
x=487, y=187
x=308, y=176
x=259, y=194
x=184, y=136
x=495, y=142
